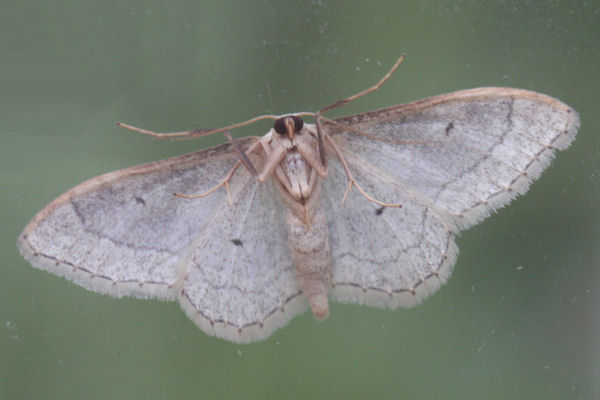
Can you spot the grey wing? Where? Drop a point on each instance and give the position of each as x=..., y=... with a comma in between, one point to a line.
x=240, y=282
x=125, y=233
x=384, y=256
x=469, y=152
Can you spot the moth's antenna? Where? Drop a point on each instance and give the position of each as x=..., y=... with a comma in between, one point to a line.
x=186, y=135
x=347, y=100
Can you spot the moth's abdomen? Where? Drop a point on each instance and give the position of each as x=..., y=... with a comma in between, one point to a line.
x=311, y=255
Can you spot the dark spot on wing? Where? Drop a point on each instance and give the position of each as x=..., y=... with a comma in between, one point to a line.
x=449, y=127
x=141, y=201
x=237, y=242
x=379, y=210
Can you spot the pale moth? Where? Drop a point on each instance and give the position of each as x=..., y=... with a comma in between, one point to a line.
x=360, y=209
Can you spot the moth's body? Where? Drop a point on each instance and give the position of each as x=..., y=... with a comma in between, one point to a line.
x=299, y=182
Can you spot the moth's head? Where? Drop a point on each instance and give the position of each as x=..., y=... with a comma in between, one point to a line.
x=288, y=125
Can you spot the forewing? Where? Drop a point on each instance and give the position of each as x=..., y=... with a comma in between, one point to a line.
x=384, y=256
x=125, y=233
x=239, y=282
x=469, y=152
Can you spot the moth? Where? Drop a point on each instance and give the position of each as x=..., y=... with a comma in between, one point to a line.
x=360, y=209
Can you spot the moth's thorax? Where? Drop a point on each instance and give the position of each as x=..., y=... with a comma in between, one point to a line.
x=295, y=174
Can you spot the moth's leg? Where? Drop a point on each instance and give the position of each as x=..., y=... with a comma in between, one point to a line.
x=225, y=182
x=351, y=181
x=367, y=91
x=320, y=145
x=266, y=146
x=185, y=135
x=308, y=153
x=273, y=158
x=273, y=166
x=243, y=157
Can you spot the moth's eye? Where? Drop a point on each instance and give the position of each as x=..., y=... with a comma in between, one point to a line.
x=279, y=126
x=298, y=123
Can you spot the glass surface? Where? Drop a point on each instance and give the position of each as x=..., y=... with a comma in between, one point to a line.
x=519, y=318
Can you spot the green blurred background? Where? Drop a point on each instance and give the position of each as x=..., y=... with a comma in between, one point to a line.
x=520, y=317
